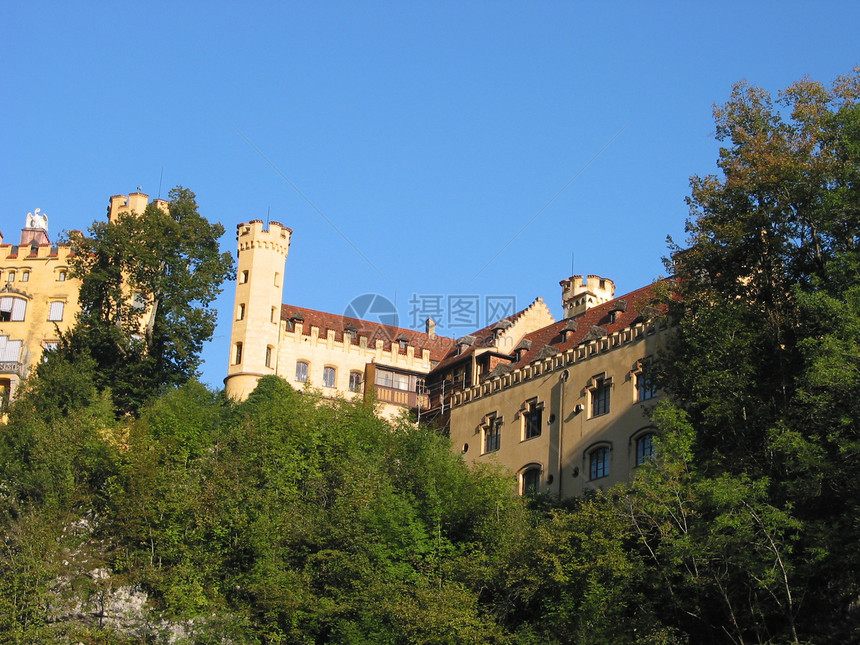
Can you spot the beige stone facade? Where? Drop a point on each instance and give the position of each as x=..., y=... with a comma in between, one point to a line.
x=38, y=299
x=338, y=355
x=573, y=419
x=562, y=405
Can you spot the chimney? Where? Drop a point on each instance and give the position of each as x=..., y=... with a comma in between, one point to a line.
x=430, y=328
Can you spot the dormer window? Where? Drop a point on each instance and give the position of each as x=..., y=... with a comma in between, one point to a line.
x=402, y=341
x=520, y=350
x=569, y=327
x=349, y=333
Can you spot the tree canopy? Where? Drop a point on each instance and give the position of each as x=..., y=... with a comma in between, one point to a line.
x=148, y=280
x=766, y=360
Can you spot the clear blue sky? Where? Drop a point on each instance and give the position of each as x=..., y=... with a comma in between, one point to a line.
x=428, y=134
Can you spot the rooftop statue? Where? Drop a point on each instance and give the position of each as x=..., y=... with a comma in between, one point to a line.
x=36, y=220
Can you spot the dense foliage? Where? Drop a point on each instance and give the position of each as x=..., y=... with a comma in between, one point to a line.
x=290, y=518
x=767, y=354
x=147, y=282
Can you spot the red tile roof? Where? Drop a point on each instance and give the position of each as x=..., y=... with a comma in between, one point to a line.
x=547, y=340
x=628, y=309
x=483, y=338
x=373, y=331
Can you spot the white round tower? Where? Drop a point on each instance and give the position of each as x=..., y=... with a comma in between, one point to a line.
x=257, y=308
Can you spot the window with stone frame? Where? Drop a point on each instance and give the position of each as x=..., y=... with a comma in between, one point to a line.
x=355, y=381
x=532, y=419
x=598, y=462
x=646, y=379
x=55, y=310
x=491, y=433
x=530, y=481
x=301, y=371
x=329, y=376
x=599, y=391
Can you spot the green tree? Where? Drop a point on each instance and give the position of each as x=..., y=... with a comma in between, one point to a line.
x=765, y=360
x=148, y=280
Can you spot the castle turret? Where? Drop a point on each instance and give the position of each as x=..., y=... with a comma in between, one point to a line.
x=132, y=203
x=257, y=309
x=580, y=294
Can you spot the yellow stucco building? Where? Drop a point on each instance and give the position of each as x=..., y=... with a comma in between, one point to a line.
x=38, y=298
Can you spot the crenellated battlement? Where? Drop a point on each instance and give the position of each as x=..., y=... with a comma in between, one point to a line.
x=255, y=235
x=131, y=203
x=579, y=294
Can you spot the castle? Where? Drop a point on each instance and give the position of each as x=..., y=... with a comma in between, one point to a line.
x=39, y=298
x=563, y=405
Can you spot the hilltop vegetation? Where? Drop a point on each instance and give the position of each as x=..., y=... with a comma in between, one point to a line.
x=286, y=519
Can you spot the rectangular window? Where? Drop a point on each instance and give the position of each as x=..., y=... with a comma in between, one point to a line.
x=329, y=375
x=10, y=350
x=56, y=311
x=301, y=372
x=646, y=381
x=49, y=347
x=600, y=396
x=237, y=356
x=61, y=275
x=11, y=276
x=392, y=380
x=25, y=276
x=492, y=436
x=355, y=381
x=599, y=463
x=269, y=356
x=532, y=423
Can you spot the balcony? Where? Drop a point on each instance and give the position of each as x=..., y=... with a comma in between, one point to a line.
x=12, y=367
x=402, y=397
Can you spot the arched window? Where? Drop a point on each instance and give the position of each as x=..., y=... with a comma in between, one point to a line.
x=269, y=352
x=355, y=381
x=644, y=446
x=301, y=371
x=530, y=480
x=12, y=309
x=61, y=275
x=329, y=376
